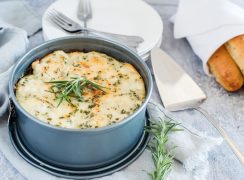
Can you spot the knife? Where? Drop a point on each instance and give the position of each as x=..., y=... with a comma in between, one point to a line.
x=178, y=91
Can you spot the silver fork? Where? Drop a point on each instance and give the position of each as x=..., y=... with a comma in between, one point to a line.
x=85, y=14
x=71, y=26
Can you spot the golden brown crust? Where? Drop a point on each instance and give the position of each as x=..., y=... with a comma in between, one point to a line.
x=225, y=70
x=235, y=47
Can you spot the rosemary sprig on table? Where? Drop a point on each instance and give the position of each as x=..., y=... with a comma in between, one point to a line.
x=66, y=89
x=162, y=158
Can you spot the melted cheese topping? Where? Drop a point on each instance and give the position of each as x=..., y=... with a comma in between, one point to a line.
x=125, y=90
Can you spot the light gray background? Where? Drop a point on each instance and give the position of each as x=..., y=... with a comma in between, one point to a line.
x=227, y=108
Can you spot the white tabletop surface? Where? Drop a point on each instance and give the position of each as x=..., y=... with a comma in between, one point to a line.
x=227, y=108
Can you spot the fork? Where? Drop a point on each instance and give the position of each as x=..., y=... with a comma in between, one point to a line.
x=71, y=26
x=85, y=13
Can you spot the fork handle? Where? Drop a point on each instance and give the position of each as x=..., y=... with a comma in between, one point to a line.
x=223, y=133
x=132, y=44
x=137, y=39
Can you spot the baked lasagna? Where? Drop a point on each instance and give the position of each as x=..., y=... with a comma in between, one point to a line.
x=110, y=90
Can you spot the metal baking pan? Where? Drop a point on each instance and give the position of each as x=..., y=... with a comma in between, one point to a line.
x=80, y=148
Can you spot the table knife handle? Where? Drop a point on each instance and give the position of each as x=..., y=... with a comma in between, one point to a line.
x=223, y=133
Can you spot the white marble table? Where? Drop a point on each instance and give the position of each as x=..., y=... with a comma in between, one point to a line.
x=228, y=108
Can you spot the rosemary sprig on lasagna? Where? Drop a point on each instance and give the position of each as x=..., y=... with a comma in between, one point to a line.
x=73, y=88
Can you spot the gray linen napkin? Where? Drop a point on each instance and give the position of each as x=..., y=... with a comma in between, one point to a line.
x=13, y=44
x=18, y=13
x=16, y=21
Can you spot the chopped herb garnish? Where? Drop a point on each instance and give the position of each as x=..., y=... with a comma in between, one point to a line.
x=97, y=78
x=92, y=115
x=120, y=75
x=84, y=111
x=91, y=106
x=110, y=59
x=123, y=111
x=76, y=65
x=109, y=116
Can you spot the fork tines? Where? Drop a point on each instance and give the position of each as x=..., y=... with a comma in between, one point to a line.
x=63, y=21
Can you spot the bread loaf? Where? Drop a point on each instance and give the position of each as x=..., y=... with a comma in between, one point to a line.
x=235, y=47
x=225, y=70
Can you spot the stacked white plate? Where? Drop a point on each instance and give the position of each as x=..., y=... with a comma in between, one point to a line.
x=129, y=17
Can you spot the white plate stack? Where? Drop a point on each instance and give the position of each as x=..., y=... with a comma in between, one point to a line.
x=129, y=17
